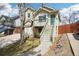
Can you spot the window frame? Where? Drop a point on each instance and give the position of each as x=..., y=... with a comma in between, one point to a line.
x=42, y=18
x=28, y=15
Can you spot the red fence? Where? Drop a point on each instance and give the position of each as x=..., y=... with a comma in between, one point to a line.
x=69, y=28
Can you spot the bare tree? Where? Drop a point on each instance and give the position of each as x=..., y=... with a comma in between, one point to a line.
x=22, y=8
x=22, y=17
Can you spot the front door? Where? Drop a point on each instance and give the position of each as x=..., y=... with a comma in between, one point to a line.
x=52, y=19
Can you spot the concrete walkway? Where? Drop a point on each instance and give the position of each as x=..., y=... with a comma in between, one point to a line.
x=74, y=44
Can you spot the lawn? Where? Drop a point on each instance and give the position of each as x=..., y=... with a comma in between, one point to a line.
x=15, y=49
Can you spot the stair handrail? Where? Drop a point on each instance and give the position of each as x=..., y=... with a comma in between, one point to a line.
x=44, y=28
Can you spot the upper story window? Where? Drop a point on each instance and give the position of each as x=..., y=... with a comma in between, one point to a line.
x=28, y=15
x=42, y=18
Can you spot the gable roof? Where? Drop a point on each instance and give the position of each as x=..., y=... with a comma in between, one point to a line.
x=15, y=17
x=9, y=20
x=30, y=9
x=7, y=17
x=46, y=9
x=4, y=17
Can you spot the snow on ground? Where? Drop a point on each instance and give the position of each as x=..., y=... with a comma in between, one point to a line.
x=4, y=41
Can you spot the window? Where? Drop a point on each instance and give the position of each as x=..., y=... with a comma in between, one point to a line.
x=42, y=18
x=28, y=15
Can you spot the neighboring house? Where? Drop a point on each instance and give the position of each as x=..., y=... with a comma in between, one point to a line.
x=8, y=24
x=7, y=21
x=17, y=25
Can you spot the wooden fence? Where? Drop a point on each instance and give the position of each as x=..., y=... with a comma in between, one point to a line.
x=69, y=28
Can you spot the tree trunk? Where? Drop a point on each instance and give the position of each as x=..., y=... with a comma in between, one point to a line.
x=22, y=28
x=22, y=17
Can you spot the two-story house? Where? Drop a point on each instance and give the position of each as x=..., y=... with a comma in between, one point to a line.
x=42, y=17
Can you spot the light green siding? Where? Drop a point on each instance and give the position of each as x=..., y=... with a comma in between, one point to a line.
x=52, y=20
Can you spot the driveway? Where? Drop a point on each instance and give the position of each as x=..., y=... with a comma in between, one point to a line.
x=74, y=43
x=6, y=40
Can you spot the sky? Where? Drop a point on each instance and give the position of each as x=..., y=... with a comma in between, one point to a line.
x=11, y=9
x=52, y=5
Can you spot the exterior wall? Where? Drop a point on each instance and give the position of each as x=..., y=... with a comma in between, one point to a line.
x=69, y=28
x=17, y=30
x=17, y=23
x=55, y=28
x=31, y=14
x=49, y=19
x=29, y=32
x=37, y=23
